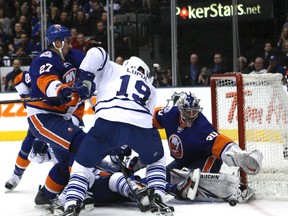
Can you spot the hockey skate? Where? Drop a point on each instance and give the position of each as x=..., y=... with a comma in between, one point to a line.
x=142, y=195
x=245, y=194
x=158, y=207
x=73, y=210
x=13, y=182
x=41, y=199
x=187, y=189
x=56, y=207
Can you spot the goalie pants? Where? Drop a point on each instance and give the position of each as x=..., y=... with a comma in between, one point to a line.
x=207, y=164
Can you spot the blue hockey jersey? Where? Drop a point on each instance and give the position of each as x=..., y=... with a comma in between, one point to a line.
x=189, y=144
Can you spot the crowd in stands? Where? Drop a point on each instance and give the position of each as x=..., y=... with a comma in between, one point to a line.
x=20, y=26
x=20, y=38
x=272, y=59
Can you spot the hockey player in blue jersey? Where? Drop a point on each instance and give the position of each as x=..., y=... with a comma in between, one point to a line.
x=53, y=73
x=125, y=103
x=194, y=142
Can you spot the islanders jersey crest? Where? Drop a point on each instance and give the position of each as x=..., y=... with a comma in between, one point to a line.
x=175, y=146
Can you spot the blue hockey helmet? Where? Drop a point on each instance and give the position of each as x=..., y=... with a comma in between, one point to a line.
x=57, y=32
x=188, y=105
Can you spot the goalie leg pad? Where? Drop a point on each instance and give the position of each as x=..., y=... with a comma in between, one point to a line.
x=218, y=187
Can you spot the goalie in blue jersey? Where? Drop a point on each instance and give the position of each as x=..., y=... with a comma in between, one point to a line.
x=195, y=143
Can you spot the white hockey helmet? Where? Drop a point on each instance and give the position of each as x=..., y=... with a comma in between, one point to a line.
x=188, y=105
x=138, y=64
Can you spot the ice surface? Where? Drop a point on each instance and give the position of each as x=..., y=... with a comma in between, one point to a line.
x=20, y=202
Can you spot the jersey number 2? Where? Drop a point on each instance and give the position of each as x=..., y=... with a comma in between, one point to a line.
x=140, y=86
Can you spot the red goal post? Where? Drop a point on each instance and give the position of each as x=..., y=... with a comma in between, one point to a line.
x=252, y=109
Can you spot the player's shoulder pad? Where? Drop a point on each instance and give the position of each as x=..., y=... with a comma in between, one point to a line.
x=46, y=54
x=166, y=109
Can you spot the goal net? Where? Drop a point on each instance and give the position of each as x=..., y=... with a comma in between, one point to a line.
x=253, y=110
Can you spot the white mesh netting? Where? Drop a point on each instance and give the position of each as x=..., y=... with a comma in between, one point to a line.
x=266, y=127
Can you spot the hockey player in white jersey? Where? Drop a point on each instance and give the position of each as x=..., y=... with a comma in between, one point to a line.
x=123, y=116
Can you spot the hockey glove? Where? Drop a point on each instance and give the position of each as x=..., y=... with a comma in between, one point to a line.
x=135, y=164
x=120, y=153
x=65, y=92
x=40, y=152
x=39, y=147
x=85, y=85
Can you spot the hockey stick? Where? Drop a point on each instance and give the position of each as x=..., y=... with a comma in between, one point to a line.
x=132, y=188
x=23, y=100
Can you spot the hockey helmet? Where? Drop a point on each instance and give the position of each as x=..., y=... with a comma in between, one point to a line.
x=188, y=105
x=57, y=32
x=138, y=64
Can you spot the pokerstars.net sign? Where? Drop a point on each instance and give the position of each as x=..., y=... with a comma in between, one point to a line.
x=199, y=11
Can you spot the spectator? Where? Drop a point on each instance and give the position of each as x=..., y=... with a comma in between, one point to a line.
x=4, y=38
x=74, y=35
x=26, y=24
x=54, y=17
x=21, y=55
x=5, y=22
x=82, y=43
x=191, y=73
x=96, y=13
x=81, y=23
x=163, y=78
x=119, y=60
x=204, y=77
x=259, y=66
x=64, y=19
x=16, y=10
x=4, y=59
x=100, y=35
x=268, y=51
x=73, y=15
x=25, y=11
x=242, y=65
x=219, y=66
x=9, y=82
x=104, y=18
x=283, y=38
x=276, y=67
x=15, y=40
x=284, y=56
x=25, y=43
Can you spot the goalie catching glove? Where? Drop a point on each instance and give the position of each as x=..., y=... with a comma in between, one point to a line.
x=250, y=162
x=84, y=86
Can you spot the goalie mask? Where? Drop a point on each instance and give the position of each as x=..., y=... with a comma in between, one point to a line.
x=138, y=64
x=188, y=105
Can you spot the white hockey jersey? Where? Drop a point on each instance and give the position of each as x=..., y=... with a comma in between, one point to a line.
x=123, y=95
